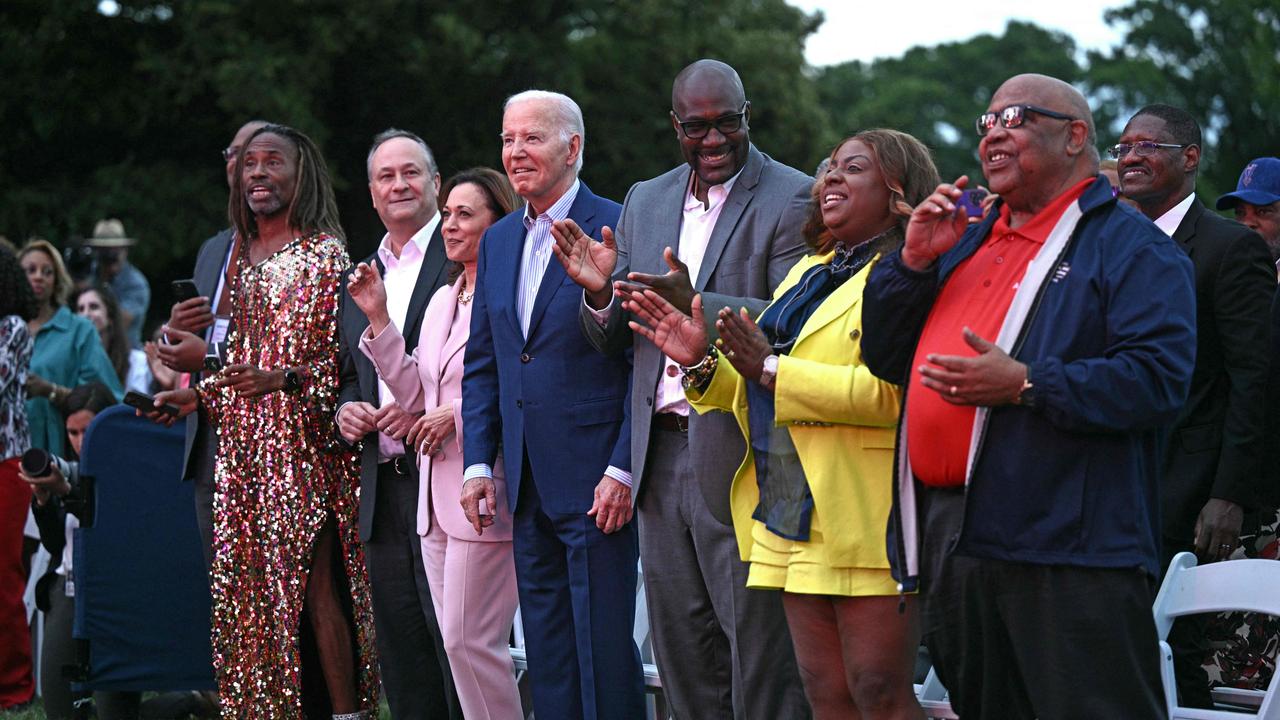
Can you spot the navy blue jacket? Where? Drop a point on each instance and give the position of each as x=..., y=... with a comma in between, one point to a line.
x=552, y=396
x=1110, y=345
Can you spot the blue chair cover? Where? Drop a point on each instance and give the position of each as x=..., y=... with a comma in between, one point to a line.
x=142, y=589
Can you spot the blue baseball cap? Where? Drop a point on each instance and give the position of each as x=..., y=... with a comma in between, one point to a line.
x=1259, y=184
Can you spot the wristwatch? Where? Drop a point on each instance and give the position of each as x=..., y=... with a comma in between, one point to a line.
x=769, y=373
x=292, y=381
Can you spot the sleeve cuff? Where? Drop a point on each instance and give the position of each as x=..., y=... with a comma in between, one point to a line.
x=479, y=470
x=600, y=316
x=618, y=474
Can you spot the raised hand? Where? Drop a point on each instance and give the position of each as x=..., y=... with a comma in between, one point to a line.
x=681, y=337
x=742, y=343
x=191, y=315
x=935, y=226
x=183, y=352
x=366, y=288
x=675, y=287
x=586, y=262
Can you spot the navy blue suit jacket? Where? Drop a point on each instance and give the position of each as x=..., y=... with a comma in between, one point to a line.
x=551, y=396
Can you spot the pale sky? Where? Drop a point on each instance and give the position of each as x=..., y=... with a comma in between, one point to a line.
x=865, y=30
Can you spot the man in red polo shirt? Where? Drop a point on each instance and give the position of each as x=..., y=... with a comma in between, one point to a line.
x=1044, y=351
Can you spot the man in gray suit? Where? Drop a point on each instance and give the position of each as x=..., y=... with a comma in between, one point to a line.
x=726, y=224
x=193, y=323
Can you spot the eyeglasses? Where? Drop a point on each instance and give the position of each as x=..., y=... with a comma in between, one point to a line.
x=1143, y=148
x=726, y=124
x=229, y=154
x=1013, y=116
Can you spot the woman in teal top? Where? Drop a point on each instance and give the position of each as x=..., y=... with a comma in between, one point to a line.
x=67, y=350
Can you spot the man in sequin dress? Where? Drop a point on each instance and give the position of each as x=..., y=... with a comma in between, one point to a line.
x=286, y=550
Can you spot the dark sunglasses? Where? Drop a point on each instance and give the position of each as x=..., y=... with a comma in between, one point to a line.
x=726, y=124
x=1013, y=116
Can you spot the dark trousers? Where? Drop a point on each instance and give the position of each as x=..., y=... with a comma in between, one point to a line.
x=723, y=651
x=415, y=670
x=577, y=590
x=1015, y=640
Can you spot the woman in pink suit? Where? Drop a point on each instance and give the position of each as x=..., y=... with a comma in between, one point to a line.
x=469, y=568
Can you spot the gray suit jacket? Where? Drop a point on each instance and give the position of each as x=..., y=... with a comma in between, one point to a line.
x=756, y=240
x=201, y=443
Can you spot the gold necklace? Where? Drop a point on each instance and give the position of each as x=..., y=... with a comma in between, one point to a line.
x=464, y=297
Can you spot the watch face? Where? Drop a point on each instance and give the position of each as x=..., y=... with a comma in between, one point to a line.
x=771, y=364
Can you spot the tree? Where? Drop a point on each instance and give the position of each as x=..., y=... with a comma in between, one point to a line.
x=1218, y=59
x=936, y=93
x=122, y=114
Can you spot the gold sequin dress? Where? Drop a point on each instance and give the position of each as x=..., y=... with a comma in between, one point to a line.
x=281, y=475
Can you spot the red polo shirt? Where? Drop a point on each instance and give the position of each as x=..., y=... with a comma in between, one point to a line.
x=977, y=294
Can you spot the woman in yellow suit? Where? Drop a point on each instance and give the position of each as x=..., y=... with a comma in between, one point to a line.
x=811, y=499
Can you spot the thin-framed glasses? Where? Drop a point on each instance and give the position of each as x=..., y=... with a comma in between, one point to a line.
x=229, y=154
x=726, y=124
x=1143, y=148
x=1013, y=116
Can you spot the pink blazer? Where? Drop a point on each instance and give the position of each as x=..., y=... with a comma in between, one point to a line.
x=431, y=377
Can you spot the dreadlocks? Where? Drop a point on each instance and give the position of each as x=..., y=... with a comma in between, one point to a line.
x=313, y=206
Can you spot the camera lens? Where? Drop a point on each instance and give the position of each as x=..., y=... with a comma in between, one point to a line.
x=36, y=462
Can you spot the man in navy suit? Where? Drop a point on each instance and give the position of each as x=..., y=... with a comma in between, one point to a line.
x=534, y=388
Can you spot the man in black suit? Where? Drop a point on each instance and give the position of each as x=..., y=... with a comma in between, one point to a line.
x=1214, y=454
x=193, y=325
x=404, y=182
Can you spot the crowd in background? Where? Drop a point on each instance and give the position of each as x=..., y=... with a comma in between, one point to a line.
x=832, y=420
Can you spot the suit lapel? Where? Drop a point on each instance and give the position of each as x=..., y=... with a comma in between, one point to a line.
x=743, y=190
x=455, y=342
x=508, y=273
x=665, y=226
x=435, y=334
x=433, y=267
x=1186, y=232
x=838, y=304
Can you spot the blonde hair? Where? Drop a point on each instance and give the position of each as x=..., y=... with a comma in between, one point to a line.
x=61, y=278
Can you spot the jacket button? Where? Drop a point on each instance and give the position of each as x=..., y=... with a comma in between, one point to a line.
x=524, y=357
x=854, y=334
x=519, y=403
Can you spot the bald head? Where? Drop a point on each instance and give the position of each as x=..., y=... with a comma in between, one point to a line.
x=241, y=137
x=1050, y=151
x=707, y=77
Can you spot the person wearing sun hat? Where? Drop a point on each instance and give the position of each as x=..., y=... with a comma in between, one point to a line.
x=1256, y=201
x=131, y=287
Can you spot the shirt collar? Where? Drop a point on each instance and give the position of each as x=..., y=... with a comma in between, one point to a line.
x=1037, y=229
x=414, y=249
x=1172, y=218
x=716, y=194
x=558, y=211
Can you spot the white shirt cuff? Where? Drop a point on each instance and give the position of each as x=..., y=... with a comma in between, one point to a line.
x=479, y=470
x=601, y=316
x=621, y=476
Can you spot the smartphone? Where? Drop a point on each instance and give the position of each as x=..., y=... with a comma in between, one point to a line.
x=146, y=403
x=184, y=290
x=971, y=201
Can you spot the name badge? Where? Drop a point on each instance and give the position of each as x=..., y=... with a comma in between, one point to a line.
x=221, y=324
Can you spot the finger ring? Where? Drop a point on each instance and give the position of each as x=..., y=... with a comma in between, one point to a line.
x=1225, y=545
x=953, y=390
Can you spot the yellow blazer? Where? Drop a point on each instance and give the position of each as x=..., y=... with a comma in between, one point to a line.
x=842, y=420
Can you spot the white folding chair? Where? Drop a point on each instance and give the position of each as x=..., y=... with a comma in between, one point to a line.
x=1232, y=585
x=933, y=698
